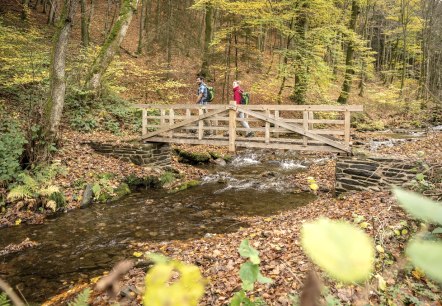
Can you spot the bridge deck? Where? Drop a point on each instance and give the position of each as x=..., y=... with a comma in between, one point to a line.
x=294, y=127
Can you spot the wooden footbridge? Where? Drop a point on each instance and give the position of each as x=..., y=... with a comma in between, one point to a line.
x=293, y=127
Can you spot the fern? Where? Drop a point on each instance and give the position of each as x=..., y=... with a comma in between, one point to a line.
x=4, y=300
x=20, y=192
x=82, y=298
x=48, y=191
x=29, y=181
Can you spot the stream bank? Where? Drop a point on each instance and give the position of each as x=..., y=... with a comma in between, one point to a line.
x=101, y=235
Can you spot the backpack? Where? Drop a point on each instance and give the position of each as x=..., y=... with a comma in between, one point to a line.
x=245, y=98
x=210, y=93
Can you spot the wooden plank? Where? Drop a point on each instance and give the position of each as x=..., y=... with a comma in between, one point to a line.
x=326, y=121
x=273, y=145
x=267, y=128
x=322, y=108
x=200, y=125
x=189, y=141
x=347, y=121
x=163, y=116
x=183, y=123
x=179, y=106
x=277, y=118
x=144, y=122
x=297, y=129
x=328, y=132
x=244, y=144
x=255, y=107
x=310, y=119
x=171, y=120
x=305, y=126
x=232, y=126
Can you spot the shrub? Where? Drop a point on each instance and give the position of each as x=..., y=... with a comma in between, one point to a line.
x=12, y=141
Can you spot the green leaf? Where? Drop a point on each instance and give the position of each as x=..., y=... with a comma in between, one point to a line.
x=263, y=280
x=247, y=251
x=420, y=176
x=238, y=298
x=427, y=255
x=82, y=298
x=4, y=301
x=437, y=230
x=341, y=249
x=419, y=207
x=248, y=274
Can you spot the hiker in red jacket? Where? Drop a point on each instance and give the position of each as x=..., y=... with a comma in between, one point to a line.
x=237, y=96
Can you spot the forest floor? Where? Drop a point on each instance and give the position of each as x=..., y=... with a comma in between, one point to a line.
x=277, y=238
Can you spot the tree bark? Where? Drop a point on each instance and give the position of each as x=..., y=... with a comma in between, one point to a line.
x=349, y=71
x=301, y=71
x=169, y=38
x=207, y=39
x=142, y=31
x=111, y=45
x=54, y=105
x=84, y=25
x=25, y=10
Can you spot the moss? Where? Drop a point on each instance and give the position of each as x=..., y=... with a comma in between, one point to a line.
x=228, y=158
x=193, y=158
x=104, y=197
x=167, y=177
x=376, y=125
x=121, y=191
x=187, y=185
x=135, y=182
x=215, y=155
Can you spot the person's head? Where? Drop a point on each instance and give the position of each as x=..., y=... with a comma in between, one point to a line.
x=235, y=84
x=199, y=80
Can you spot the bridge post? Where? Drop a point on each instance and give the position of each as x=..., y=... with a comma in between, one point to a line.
x=144, y=122
x=232, y=127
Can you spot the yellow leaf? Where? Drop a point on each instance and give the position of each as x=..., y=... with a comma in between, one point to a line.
x=380, y=249
x=404, y=232
x=364, y=225
x=137, y=254
x=18, y=221
x=418, y=273
x=314, y=186
x=94, y=280
x=339, y=248
x=268, y=219
x=397, y=232
x=382, y=284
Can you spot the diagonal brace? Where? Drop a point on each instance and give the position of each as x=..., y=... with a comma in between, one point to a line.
x=183, y=123
x=294, y=128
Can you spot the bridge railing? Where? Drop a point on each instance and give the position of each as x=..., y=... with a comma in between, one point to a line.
x=299, y=127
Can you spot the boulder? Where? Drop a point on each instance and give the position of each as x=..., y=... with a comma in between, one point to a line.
x=88, y=196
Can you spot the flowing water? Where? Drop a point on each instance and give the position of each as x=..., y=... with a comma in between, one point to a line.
x=83, y=243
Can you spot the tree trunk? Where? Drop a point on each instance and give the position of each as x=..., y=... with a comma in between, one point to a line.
x=25, y=10
x=111, y=45
x=169, y=38
x=207, y=39
x=84, y=25
x=141, y=33
x=301, y=72
x=52, y=11
x=54, y=105
x=349, y=71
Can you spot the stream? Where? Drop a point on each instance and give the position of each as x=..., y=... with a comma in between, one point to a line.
x=77, y=246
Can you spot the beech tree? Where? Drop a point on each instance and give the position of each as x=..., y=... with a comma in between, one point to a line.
x=111, y=45
x=54, y=106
